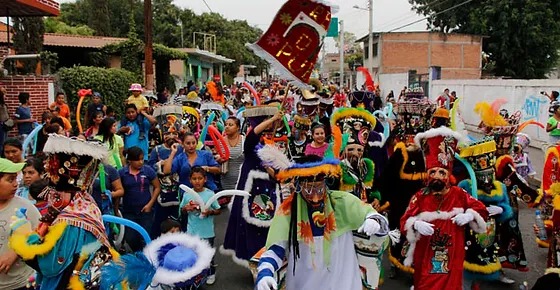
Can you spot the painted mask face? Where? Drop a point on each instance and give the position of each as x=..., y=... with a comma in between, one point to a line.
x=438, y=179
x=485, y=179
x=313, y=192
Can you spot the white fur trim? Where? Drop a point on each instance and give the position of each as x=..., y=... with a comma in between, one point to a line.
x=60, y=144
x=478, y=225
x=169, y=277
x=441, y=131
x=272, y=156
x=412, y=236
x=235, y=259
x=379, y=144
x=256, y=174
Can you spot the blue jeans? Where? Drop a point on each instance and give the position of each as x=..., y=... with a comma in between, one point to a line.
x=131, y=236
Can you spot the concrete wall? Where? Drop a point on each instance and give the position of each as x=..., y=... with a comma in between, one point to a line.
x=394, y=82
x=458, y=55
x=522, y=95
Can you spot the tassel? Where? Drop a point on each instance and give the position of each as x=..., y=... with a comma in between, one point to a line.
x=337, y=141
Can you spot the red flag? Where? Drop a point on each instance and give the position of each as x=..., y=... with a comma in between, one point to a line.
x=295, y=37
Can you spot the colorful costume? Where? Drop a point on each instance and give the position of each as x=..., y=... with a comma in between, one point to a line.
x=70, y=245
x=313, y=231
x=433, y=222
x=550, y=190
x=481, y=261
x=250, y=217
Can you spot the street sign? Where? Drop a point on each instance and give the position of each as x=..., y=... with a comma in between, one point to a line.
x=333, y=28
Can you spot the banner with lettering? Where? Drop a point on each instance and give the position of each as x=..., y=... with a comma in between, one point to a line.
x=295, y=38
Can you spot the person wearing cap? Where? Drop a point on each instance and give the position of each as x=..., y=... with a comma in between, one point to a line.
x=553, y=123
x=14, y=273
x=434, y=222
x=96, y=105
x=136, y=98
x=312, y=230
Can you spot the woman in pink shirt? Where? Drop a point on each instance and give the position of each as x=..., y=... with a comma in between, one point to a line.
x=318, y=146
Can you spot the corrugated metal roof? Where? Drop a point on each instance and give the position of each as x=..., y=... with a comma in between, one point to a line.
x=67, y=40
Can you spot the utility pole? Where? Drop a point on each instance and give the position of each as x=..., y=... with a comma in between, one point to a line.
x=182, y=38
x=341, y=48
x=370, y=41
x=148, y=47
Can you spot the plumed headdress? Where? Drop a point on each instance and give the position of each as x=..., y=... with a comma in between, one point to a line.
x=481, y=155
x=413, y=116
x=356, y=123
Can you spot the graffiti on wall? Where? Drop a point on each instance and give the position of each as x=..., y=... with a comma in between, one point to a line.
x=533, y=107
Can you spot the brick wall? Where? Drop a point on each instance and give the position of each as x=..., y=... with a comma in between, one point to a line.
x=3, y=51
x=458, y=55
x=36, y=86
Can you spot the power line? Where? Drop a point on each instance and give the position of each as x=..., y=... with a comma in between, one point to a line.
x=419, y=20
x=399, y=18
x=207, y=6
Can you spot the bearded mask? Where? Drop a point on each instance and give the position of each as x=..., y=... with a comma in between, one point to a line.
x=438, y=179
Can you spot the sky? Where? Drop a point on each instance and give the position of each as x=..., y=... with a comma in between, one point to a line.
x=387, y=15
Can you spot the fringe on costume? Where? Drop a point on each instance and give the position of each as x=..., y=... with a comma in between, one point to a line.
x=60, y=144
x=477, y=149
x=344, y=113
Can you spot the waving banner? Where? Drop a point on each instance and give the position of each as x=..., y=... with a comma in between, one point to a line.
x=295, y=38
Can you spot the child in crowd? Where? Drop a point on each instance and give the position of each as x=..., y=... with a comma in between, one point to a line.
x=59, y=102
x=23, y=116
x=95, y=106
x=35, y=191
x=135, y=127
x=199, y=223
x=136, y=98
x=521, y=159
x=32, y=171
x=170, y=226
x=319, y=145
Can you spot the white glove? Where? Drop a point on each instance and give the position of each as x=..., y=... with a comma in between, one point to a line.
x=494, y=210
x=463, y=219
x=395, y=236
x=369, y=227
x=424, y=228
x=267, y=283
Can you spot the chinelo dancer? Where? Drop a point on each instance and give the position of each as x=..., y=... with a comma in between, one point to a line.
x=313, y=231
x=482, y=259
x=435, y=218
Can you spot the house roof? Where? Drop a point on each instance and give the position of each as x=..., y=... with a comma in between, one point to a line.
x=377, y=34
x=67, y=40
x=207, y=55
x=14, y=8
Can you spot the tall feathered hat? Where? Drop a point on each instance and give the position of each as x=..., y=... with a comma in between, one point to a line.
x=72, y=163
x=302, y=123
x=499, y=124
x=482, y=157
x=413, y=116
x=439, y=147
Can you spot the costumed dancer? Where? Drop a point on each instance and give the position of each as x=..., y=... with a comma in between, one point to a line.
x=70, y=244
x=523, y=164
x=405, y=168
x=549, y=205
x=434, y=221
x=250, y=217
x=313, y=231
x=357, y=178
x=299, y=139
x=499, y=124
x=482, y=258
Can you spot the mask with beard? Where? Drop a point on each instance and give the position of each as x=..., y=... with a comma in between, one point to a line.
x=436, y=185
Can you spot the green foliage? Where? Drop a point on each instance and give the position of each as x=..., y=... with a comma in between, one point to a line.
x=99, y=17
x=522, y=36
x=49, y=60
x=28, y=39
x=54, y=25
x=111, y=83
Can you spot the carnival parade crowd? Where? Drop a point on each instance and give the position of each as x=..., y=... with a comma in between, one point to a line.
x=315, y=180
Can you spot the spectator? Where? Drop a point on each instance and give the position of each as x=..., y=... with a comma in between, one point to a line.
x=138, y=201
x=14, y=273
x=66, y=123
x=95, y=106
x=318, y=146
x=170, y=226
x=135, y=128
x=42, y=136
x=32, y=171
x=5, y=125
x=201, y=224
x=182, y=162
x=553, y=124
x=107, y=135
x=168, y=201
x=23, y=117
x=13, y=150
x=235, y=141
x=552, y=97
x=59, y=102
x=107, y=193
x=93, y=130
x=136, y=98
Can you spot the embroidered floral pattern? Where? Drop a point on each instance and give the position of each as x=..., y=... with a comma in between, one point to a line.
x=305, y=232
x=286, y=18
x=273, y=40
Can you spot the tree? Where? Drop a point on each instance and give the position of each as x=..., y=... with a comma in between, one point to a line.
x=99, y=19
x=522, y=35
x=28, y=39
x=54, y=25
